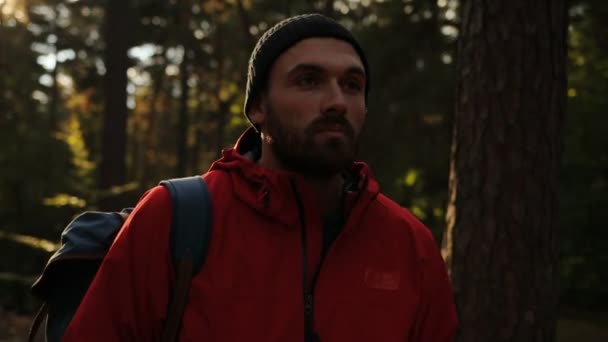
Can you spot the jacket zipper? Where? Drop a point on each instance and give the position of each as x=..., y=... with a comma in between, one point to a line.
x=309, y=334
x=308, y=291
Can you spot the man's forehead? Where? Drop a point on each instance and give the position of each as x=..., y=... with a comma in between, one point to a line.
x=329, y=52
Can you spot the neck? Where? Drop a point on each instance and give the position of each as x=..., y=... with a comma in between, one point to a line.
x=328, y=189
x=329, y=193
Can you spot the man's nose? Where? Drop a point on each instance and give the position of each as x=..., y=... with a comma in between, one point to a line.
x=334, y=99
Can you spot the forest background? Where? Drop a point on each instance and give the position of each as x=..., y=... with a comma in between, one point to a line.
x=102, y=99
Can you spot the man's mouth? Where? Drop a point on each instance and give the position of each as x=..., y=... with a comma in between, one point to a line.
x=333, y=128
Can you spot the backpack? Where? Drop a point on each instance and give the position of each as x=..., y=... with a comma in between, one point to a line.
x=85, y=241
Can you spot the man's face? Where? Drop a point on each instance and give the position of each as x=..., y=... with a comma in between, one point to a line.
x=314, y=107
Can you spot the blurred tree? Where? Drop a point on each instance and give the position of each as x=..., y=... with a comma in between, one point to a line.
x=502, y=224
x=113, y=153
x=186, y=43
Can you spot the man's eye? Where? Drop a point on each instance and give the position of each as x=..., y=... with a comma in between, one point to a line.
x=307, y=81
x=353, y=85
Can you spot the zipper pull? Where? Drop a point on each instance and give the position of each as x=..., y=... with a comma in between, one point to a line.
x=266, y=196
x=308, y=304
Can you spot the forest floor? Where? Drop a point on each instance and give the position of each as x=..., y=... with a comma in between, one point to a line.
x=584, y=327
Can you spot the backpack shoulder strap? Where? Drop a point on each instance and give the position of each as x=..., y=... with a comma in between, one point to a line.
x=191, y=225
x=190, y=236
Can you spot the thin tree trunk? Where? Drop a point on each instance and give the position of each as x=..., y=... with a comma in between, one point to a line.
x=501, y=241
x=182, y=131
x=328, y=9
x=245, y=22
x=222, y=112
x=182, y=128
x=53, y=119
x=114, y=140
x=199, y=132
x=149, y=172
x=54, y=102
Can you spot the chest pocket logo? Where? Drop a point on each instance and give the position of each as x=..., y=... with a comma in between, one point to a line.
x=381, y=279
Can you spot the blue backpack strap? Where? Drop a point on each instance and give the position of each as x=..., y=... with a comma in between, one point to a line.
x=190, y=236
x=191, y=227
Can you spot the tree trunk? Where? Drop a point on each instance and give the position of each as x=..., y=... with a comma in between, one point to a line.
x=328, y=9
x=149, y=170
x=182, y=20
x=222, y=104
x=182, y=130
x=113, y=158
x=500, y=242
x=245, y=23
x=199, y=117
x=54, y=102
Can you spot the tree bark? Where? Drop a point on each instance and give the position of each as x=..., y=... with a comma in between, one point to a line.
x=54, y=102
x=182, y=20
x=328, y=9
x=182, y=130
x=149, y=170
x=199, y=117
x=245, y=23
x=114, y=140
x=223, y=105
x=501, y=242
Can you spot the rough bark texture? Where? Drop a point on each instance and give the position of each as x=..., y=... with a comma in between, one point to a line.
x=113, y=163
x=500, y=243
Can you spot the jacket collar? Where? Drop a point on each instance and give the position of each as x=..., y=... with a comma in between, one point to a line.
x=272, y=193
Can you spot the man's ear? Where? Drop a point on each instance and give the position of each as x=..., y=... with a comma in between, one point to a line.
x=257, y=112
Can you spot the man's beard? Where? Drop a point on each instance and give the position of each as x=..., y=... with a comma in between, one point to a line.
x=300, y=152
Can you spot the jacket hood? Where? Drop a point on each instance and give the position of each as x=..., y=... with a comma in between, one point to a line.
x=273, y=192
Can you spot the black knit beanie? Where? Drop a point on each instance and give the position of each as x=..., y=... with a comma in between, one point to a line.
x=281, y=37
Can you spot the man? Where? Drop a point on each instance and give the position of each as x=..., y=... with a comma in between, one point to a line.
x=303, y=247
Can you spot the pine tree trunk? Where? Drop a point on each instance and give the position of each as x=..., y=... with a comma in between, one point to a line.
x=199, y=134
x=223, y=104
x=183, y=31
x=183, y=123
x=500, y=242
x=114, y=141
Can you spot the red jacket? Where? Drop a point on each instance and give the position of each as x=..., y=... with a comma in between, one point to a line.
x=382, y=279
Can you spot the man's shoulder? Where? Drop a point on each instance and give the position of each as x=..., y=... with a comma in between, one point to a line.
x=157, y=200
x=153, y=209
x=217, y=178
x=154, y=199
x=409, y=226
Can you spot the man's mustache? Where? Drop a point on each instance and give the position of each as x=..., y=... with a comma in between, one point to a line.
x=332, y=120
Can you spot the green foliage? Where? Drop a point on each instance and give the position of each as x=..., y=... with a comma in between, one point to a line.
x=584, y=180
x=424, y=201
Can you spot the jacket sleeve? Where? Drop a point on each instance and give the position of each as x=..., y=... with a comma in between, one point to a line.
x=127, y=300
x=437, y=319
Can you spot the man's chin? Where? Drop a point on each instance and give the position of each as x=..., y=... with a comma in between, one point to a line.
x=320, y=168
x=329, y=165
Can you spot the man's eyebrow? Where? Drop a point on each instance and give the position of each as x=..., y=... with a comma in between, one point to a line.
x=357, y=70
x=306, y=67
